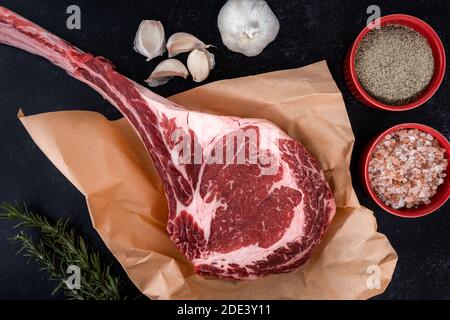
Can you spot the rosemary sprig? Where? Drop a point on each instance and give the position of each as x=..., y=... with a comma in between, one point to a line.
x=59, y=247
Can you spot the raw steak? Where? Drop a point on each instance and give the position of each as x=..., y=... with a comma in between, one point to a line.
x=260, y=211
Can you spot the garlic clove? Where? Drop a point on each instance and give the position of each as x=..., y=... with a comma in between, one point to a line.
x=200, y=63
x=165, y=71
x=211, y=60
x=150, y=39
x=247, y=26
x=183, y=42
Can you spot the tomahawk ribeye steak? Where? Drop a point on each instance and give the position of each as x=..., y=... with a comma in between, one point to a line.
x=232, y=220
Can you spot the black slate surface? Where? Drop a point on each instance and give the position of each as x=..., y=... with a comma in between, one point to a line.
x=310, y=31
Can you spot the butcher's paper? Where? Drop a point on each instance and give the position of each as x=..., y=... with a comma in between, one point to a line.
x=107, y=162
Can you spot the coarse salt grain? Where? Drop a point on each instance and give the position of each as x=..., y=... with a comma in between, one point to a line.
x=406, y=168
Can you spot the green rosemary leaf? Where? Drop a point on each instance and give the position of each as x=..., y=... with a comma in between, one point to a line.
x=59, y=247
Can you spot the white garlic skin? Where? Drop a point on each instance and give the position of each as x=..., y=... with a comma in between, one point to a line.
x=247, y=26
x=200, y=63
x=165, y=71
x=150, y=39
x=181, y=42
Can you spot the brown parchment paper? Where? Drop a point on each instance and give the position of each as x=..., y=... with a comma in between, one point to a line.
x=107, y=162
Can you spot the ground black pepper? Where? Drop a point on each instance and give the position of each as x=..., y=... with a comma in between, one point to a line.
x=394, y=64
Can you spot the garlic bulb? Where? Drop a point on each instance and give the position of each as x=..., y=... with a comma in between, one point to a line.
x=165, y=71
x=183, y=42
x=200, y=63
x=247, y=26
x=150, y=39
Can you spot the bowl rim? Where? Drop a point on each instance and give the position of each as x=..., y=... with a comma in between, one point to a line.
x=410, y=213
x=439, y=73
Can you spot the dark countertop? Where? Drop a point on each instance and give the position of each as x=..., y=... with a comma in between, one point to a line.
x=310, y=31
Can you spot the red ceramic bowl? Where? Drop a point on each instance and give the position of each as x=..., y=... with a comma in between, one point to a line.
x=437, y=200
x=439, y=63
